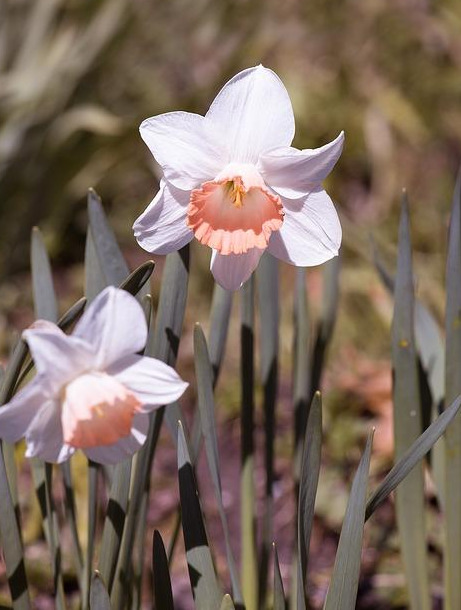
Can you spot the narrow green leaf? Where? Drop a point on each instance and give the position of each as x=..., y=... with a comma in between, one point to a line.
x=301, y=358
x=309, y=478
x=95, y=281
x=71, y=514
x=301, y=394
x=204, y=376
x=268, y=296
x=42, y=280
x=227, y=603
x=111, y=260
x=46, y=309
x=205, y=587
x=13, y=370
x=72, y=314
x=99, y=597
x=163, y=343
x=452, y=556
x=219, y=325
x=330, y=300
x=114, y=522
x=42, y=475
x=342, y=592
x=93, y=469
x=12, y=545
x=249, y=559
x=431, y=352
x=279, y=593
x=413, y=455
x=138, y=278
x=163, y=595
x=407, y=424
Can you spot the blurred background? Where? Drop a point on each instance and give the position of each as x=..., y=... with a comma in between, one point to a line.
x=77, y=78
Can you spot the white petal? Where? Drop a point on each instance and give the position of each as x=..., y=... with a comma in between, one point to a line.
x=125, y=447
x=153, y=382
x=57, y=356
x=233, y=270
x=311, y=232
x=114, y=324
x=185, y=147
x=292, y=173
x=162, y=227
x=254, y=112
x=17, y=415
x=44, y=436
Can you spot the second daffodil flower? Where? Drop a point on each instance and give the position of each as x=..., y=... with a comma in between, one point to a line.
x=92, y=390
x=232, y=180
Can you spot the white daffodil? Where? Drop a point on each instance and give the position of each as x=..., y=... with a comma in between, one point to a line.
x=232, y=179
x=92, y=390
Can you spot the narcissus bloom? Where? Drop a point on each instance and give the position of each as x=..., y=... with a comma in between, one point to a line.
x=232, y=180
x=92, y=390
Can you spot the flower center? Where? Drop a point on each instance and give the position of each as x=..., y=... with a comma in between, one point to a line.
x=96, y=410
x=235, y=212
x=235, y=191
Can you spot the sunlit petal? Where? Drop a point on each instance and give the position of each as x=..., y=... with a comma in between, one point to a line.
x=253, y=111
x=115, y=325
x=311, y=231
x=233, y=270
x=162, y=227
x=59, y=357
x=294, y=173
x=188, y=150
x=153, y=382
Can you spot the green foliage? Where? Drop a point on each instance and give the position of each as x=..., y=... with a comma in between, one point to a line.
x=118, y=581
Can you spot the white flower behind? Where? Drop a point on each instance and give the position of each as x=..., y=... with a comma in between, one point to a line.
x=232, y=180
x=92, y=390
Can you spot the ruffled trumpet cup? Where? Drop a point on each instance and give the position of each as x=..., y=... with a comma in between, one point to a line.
x=232, y=180
x=92, y=390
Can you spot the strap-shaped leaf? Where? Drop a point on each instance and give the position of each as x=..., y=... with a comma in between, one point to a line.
x=227, y=603
x=112, y=263
x=408, y=424
x=46, y=308
x=12, y=545
x=138, y=278
x=431, y=354
x=163, y=596
x=93, y=469
x=99, y=597
x=219, y=325
x=452, y=505
x=205, y=587
x=308, y=483
x=328, y=314
x=268, y=297
x=163, y=343
x=204, y=375
x=114, y=522
x=279, y=593
x=42, y=281
x=249, y=559
x=413, y=455
x=342, y=592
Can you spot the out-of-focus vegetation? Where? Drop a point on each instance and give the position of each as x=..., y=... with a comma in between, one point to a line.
x=76, y=78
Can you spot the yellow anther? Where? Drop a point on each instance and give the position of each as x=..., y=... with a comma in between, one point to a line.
x=236, y=192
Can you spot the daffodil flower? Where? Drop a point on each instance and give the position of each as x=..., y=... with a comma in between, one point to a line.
x=92, y=390
x=232, y=180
